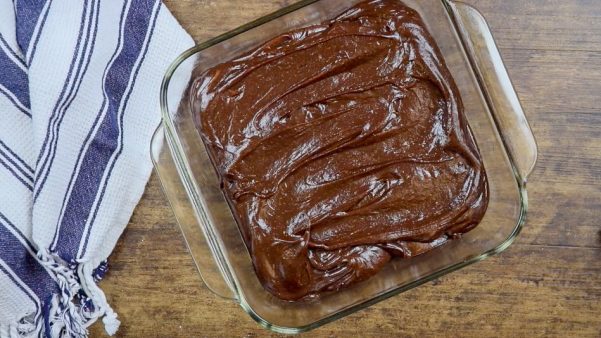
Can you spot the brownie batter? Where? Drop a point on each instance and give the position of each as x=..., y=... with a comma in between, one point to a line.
x=340, y=146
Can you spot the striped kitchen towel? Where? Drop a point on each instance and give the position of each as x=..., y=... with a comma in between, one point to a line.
x=79, y=93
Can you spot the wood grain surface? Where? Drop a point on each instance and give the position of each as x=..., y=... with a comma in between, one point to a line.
x=546, y=284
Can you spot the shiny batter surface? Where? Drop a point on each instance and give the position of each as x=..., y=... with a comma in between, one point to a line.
x=340, y=146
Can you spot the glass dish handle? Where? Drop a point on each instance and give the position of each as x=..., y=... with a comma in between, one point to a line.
x=498, y=89
x=195, y=236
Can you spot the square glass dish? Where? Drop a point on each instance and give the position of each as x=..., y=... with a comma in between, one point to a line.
x=494, y=113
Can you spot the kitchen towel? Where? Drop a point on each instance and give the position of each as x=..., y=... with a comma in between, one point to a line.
x=79, y=93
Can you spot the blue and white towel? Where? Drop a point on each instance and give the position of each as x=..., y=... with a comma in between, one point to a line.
x=79, y=93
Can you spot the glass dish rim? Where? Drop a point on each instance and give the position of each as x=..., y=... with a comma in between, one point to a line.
x=179, y=160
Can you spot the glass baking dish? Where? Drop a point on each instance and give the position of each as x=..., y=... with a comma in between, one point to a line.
x=495, y=116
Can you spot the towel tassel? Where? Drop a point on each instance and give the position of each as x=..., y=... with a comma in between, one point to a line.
x=64, y=319
x=95, y=294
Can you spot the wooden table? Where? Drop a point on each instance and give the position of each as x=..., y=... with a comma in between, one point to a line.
x=546, y=284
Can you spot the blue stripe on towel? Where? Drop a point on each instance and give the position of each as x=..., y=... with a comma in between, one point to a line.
x=12, y=162
x=19, y=256
x=31, y=16
x=16, y=156
x=139, y=25
x=13, y=99
x=67, y=95
x=94, y=125
x=19, y=58
x=27, y=182
x=17, y=84
x=4, y=268
x=31, y=51
x=114, y=161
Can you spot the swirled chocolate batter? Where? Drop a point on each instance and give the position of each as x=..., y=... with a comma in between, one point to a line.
x=340, y=146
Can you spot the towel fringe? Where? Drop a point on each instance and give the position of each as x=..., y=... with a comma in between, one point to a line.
x=64, y=318
x=96, y=295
